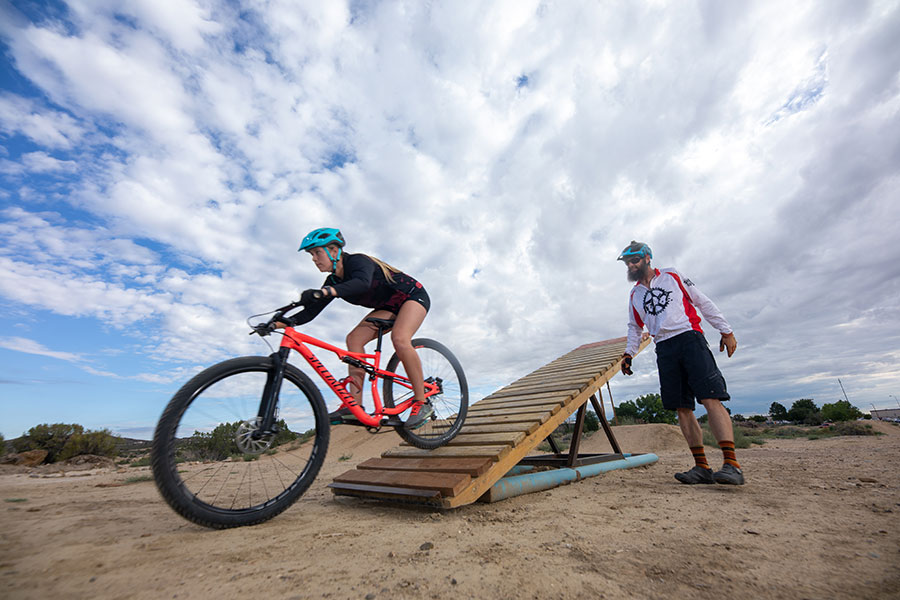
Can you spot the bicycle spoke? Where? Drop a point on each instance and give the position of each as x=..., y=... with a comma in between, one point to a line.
x=219, y=458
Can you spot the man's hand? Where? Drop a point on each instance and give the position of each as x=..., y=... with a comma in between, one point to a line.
x=626, y=364
x=728, y=341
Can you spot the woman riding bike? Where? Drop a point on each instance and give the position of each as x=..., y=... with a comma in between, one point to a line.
x=366, y=281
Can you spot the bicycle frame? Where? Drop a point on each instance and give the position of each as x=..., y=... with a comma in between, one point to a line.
x=370, y=363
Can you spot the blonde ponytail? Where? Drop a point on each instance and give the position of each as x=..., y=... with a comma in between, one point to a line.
x=387, y=269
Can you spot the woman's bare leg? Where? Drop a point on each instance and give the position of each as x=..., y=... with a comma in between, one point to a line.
x=357, y=339
x=408, y=321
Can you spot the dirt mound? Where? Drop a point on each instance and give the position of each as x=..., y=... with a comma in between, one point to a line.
x=654, y=437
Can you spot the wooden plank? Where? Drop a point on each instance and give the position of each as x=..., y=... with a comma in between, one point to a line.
x=386, y=493
x=470, y=466
x=448, y=484
x=548, y=383
x=537, y=401
x=525, y=395
x=496, y=427
x=572, y=388
x=497, y=412
x=494, y=452
x=538, y=417
x=487, y=439
x=532, y=397
x=574, y=371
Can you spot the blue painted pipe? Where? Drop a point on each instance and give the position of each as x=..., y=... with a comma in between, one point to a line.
x=526, y=483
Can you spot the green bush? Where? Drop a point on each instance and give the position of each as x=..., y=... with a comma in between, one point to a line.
x=591, y=422
x=2, y=445
x=741, y=439
x=801, y=411
x=853, y=428
x=840, y=411
x=64, y=440
x=219, y=443
x=647, y=408
x=101, y=443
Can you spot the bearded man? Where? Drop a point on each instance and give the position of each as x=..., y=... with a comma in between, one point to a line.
x=667, y=303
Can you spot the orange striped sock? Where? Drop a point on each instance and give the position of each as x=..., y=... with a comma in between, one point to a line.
x=699, y=456
x=728, y=454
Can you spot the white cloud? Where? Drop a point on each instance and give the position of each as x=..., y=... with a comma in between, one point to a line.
x=49, y=128
x=753, y=146
x=27, y=346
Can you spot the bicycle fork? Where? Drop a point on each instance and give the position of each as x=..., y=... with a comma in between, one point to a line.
x=269, y=401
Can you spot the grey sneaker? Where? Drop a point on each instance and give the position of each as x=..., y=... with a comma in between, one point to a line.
x=419, y=415
x=729, y=475
x=696, y=475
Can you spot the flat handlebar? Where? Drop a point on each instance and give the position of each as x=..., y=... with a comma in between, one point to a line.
x=264, y=329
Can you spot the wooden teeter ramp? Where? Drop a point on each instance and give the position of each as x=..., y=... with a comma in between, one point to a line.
x=499, y=432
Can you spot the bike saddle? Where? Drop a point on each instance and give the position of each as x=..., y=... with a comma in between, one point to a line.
x=381, y=323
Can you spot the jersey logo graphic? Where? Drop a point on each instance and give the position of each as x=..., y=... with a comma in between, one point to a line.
x=656, y=300
x=688, y=282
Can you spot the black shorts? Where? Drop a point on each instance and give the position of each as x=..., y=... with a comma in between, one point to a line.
x=417, y=294
x=421, y=296
x=688, y=371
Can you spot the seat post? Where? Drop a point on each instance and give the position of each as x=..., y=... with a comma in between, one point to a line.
x=380, y=335
x=381, y=325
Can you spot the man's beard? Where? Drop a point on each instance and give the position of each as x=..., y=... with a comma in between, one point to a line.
x=638, y=274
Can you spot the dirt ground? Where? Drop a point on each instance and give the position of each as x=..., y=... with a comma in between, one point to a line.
x=817, y=519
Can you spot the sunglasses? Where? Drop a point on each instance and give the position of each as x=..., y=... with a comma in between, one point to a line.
x=634, y=260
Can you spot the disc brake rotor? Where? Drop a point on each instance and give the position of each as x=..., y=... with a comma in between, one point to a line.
x=243, y=437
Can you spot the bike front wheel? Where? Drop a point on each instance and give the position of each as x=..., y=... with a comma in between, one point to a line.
x=213, y=466
x=450, y=405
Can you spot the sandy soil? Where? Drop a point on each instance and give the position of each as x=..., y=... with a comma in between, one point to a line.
x=817, y=519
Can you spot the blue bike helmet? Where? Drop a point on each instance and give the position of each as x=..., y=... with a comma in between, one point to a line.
x=323, y=236
x=639, y=249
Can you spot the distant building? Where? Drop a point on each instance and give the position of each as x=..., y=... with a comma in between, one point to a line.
x=883, y=414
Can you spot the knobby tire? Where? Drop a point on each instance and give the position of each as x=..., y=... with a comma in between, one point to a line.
x=209, y=490
x=450, y=407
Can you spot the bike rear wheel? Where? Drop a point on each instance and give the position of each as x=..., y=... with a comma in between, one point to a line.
x=450, y=406
x=208, y=464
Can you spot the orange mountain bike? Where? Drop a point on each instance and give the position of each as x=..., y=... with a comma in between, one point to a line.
x=244, y=439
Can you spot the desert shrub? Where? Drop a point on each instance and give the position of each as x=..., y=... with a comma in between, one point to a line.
x=219, y=443
x=51, y=438
x=65, y=440
x=2, y=445
x=787, y=431
x=101, y=443
x=625, y=420
x=852, y=428
x=742, y=438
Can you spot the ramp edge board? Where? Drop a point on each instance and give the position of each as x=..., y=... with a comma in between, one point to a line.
x=403, y=495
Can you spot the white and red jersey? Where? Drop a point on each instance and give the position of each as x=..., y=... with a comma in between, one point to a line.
x=669, y=307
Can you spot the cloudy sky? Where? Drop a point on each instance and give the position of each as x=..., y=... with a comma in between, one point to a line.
x=161, y=161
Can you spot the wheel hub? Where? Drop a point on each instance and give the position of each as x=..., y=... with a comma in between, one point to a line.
x=249, y=441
